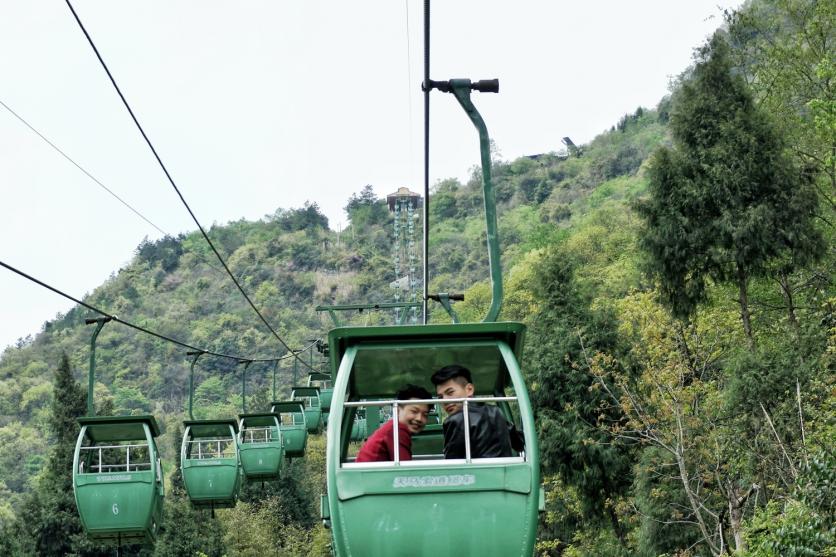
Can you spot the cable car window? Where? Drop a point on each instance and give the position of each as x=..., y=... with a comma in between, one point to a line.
x=203, y=448
x=114, y=457
x=379, y=371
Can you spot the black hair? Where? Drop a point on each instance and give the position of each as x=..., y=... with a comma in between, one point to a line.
x=413, y=391
x=451, y=372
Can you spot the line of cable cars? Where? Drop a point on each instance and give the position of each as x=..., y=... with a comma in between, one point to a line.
x=118, y=473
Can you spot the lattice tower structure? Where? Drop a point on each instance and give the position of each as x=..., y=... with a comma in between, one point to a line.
x=404, y=204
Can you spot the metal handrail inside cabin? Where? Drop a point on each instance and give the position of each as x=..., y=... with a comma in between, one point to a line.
x=124, y=466
x=465, y=402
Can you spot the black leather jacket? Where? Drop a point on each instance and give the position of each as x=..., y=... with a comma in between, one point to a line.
x=490, y=433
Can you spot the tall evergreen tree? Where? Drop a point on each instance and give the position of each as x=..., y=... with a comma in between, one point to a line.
x=186, y=531
x=48, y=522
x=565, y=331
x=726, y=199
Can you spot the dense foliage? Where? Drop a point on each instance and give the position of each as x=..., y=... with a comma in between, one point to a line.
x=676, y=274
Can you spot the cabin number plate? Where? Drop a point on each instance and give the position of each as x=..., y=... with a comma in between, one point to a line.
x=447, y=480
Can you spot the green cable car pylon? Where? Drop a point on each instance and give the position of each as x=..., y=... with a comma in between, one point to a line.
x=260, y=439
x=117, y=472
x=209, y=457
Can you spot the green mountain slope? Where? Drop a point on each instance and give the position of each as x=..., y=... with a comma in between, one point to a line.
x=659, y=436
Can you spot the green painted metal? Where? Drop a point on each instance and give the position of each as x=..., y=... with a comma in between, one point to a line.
x=118, y=478
x=323, y=382
x=244, y=385
x=332, y=310
x=386, y=369
x=431, y=440
x=196, y=355
x=275, y=370
x=210, y=462
x=261, y=446
x=444, y=300
x=359, y=430
x=372, y=419
x=433, y=507
x=309, y=396
x=461, y=89
x=91, y=375
x=293, y=426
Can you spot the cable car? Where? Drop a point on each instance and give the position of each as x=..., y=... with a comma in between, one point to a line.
x=309, y=397
x=293, y=426
x=261, y=446
x=210, y=462
x=118, y=478
x=430, y=505
x=359, y=431
x=323, y=382
x=117, y=473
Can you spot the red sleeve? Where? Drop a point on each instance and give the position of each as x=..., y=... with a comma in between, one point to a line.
x=380, y=447
x=404, y=440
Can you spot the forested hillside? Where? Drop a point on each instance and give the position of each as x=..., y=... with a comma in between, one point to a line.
x=676, y=275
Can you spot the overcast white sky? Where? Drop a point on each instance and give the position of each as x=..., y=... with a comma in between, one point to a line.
x=264, y=104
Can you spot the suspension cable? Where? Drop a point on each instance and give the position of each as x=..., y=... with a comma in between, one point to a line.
x=66, y=156
x=97, y=181
x=176, y=189
x=144, y=329
x=427, y=88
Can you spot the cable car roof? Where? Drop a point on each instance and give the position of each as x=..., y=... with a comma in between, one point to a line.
x=118, y=428
x=259, y=418
x=394, y=356
x=209, y=428
x=305, y=391
x=284, y=406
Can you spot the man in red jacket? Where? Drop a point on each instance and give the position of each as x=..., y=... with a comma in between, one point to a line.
x=380, y=446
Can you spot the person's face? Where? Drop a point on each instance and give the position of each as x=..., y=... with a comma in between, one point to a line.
x=413, y=416
x=456, y=387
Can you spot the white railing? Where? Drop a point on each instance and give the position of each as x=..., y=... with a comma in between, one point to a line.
x=200, y=449
x=393, y=404
x=114, y=452
x=257, y=435
x=291, y=419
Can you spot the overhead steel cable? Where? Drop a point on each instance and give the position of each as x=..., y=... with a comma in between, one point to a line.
x=144, y=329
x=66, y=156
x=409, y=90
x=427, y=87
x=176, y=189
x=108, y=190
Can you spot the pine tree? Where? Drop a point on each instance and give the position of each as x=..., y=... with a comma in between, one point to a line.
x=564, y=333
x=48, y=522
x=186, y=531
x=726, y=200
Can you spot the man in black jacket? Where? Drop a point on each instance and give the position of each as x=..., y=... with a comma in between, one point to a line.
x=490, y=433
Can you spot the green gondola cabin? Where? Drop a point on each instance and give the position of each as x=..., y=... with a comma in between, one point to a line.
x=322, y=381
x=293, y=426
x=309, y=397
x=118, y=478
x=210, y=462
x=261, y=446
